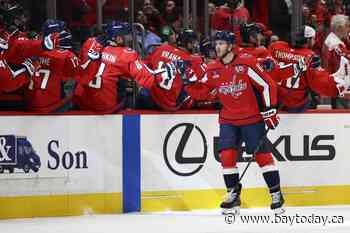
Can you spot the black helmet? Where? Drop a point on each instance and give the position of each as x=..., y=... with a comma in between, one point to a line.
x=227, y=36
x=186, y=36
x=233, y=4
x=248, y=30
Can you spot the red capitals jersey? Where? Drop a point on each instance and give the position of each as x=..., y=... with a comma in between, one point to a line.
x=45, y=92
x=293, y=90
x=224, y=19
x=243, y=88
x=258, y=52
x=166, y=93
x=11, y=80
x=21, y=48
x=276, y=71
x=116, y=62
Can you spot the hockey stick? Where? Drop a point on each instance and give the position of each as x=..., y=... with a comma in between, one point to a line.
x=263, y=138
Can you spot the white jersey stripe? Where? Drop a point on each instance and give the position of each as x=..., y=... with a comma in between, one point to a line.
x=259, y=80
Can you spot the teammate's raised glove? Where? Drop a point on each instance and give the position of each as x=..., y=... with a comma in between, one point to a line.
x=268, y=64
x=166, y=72
x=50, y=41
x=28, y=65
x=271, y=118
x=315, y=62
x=94, y=55
x=94, y=52
x=186, y=72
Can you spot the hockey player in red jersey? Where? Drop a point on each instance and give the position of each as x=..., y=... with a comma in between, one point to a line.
x=249, y=99
x=293, y=91
x=45, y=93
x=12, y=80
x=90, y=54
x=19, y=49
x=253, y=44
x=170, y=94
x=20, y=46
x=98, y=91
x=252, y=41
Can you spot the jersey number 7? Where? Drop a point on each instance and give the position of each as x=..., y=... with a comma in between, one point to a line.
x=44, y=74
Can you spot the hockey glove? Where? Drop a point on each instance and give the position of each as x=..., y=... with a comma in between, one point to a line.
x=184, y=68
x=93, y=54
x=268, y=64
x=315, y=62
x=50, y=41
x=271, y=118
x=28, y=65
x=167, y=74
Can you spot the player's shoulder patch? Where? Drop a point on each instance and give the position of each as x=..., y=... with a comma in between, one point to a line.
x=245, y=55
x=214, y=74
x=245, y=59
x=129, y=50
x=240, y=69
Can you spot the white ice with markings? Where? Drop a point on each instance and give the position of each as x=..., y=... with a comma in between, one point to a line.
x=191, y=222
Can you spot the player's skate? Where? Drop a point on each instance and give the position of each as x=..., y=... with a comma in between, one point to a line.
x=232, y=202
x=277, y=202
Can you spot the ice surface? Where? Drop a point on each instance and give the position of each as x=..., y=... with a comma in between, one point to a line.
x=183, y=222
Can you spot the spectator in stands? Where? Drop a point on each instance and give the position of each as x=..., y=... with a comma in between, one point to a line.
x=168, y=35
x=334, y=47
x=149, y=37
x=211, y=13
x=280, y=12
x=317, y=14
x=115, y=9
x=259, y=10
x=211, y=8
x=229, y=16
x=171, y=14
x=84, y=18
x=153, y=16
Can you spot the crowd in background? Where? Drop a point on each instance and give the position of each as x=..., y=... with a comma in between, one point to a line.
x=162, y=22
